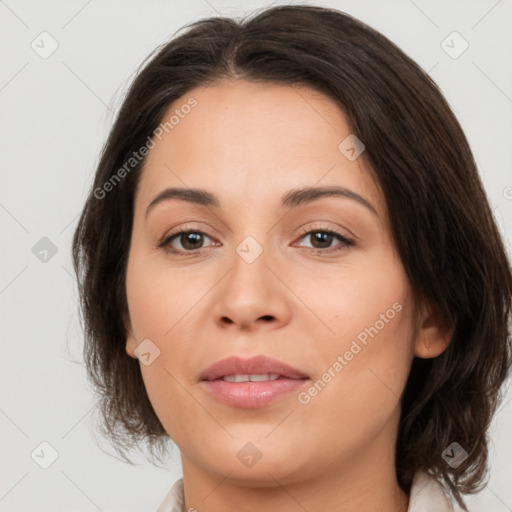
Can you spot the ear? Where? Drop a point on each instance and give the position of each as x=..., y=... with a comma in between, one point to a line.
x=131, y=343
x=433, y=334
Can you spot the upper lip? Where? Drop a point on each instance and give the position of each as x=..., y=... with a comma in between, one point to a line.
x=254, y=365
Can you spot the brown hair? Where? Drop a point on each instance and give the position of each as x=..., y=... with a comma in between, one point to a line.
x=441, y=222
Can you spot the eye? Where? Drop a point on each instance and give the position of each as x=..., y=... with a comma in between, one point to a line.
x=322, y=239
x=190, y=240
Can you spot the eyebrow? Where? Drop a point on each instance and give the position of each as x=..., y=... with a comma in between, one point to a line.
x=291, y=199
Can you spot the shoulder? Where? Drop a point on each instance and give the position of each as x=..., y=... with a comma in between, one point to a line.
x=173, y=501
x=428, y=495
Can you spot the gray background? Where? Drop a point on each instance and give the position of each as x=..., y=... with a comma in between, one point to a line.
x=56, y=113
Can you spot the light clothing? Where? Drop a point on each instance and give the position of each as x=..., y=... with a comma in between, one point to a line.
x=427, y=495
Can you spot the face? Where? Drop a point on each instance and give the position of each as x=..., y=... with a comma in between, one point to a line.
x=315, y=283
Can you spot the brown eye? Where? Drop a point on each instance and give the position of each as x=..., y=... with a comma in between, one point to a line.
x=322, y=239
x=188, y=240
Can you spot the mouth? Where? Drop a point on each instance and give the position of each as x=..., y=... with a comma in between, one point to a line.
x=252, y=382
x=255, y=377
x=255, y=369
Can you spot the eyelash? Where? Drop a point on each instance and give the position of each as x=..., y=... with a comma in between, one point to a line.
x=345, y=241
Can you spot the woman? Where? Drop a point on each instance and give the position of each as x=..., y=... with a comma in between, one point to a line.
x=288, y=266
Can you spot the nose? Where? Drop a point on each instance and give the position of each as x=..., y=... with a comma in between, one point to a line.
x=252, y=296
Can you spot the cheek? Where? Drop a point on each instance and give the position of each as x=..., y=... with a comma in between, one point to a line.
x=358, y=301
x=367, y=357
x=159, y=302
x=158, y=298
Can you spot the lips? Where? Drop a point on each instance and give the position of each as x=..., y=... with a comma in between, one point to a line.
x=254, y=365
x=254, y=392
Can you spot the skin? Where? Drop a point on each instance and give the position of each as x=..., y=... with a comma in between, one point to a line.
x=249, y=144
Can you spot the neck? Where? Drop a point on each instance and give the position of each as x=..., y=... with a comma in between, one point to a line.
x=363, y=482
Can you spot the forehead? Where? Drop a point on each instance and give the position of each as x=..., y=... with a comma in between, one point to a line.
x=253, y=139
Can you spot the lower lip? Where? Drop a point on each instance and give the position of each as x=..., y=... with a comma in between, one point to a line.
x=251, y=394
